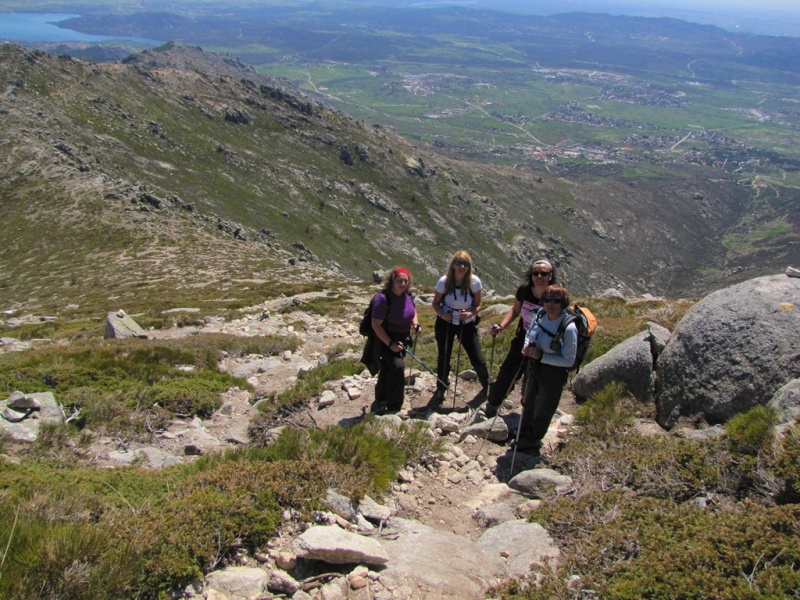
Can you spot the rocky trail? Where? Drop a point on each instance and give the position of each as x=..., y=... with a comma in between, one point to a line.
x=448, y=529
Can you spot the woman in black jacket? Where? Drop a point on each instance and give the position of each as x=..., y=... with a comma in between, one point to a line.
x=528, y=301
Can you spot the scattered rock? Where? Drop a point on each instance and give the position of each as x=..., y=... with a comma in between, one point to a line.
x=239, y=583
x=522, y=543
x=540, y=483
x=337, y=546
x=120, y=325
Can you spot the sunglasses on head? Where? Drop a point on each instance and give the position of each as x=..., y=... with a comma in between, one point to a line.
x=460, y=263
x=551, y=299
x=540, y=273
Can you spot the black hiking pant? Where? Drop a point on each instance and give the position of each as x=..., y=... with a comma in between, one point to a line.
x=390, y=387
x=542, y=395
x=446, y=334
x=510, y=370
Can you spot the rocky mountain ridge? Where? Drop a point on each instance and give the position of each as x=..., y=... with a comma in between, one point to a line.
x=179, y=170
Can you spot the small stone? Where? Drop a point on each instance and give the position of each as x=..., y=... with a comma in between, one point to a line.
x=405, y=476
x=358, y=582
x=192, y=450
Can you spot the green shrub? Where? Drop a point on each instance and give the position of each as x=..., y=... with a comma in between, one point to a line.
x=304, y=390
x=662, y=467
x=57, y=523
x=187, y=396
x=214, y=512
x=623, y=547
x=67, y=560
x=605, y=413
x=752, y=432
x=125, y=533
x=786, y=465
x=132, y=387
x=373, y=448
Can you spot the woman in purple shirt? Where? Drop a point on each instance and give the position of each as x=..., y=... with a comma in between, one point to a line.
x=393, y=317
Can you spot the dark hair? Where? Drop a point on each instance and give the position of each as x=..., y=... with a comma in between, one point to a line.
x=558, y=291
x=388, y=279
x=542, y=262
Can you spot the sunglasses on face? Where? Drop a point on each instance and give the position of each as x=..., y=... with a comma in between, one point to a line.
x=540, y=273
x=551, y=300
x=460, y=263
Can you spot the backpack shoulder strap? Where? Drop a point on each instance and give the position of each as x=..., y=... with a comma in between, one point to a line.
x=562, y=327
x=388, y=304
x=570, y=318
x=538, y=323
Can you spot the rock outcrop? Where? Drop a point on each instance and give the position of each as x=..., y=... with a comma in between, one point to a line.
x=22, y=415
x=119, y=325
x=733, y=350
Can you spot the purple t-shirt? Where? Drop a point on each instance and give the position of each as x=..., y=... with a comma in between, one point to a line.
x=401, y=312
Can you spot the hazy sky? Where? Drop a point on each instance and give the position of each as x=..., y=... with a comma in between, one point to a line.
x=721, y=6
x=772, y=17
x=632, y=6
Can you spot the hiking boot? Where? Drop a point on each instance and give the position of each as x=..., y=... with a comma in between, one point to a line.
x=490, y=410
x=527, y=445
x=378, y=409
x=436, y=400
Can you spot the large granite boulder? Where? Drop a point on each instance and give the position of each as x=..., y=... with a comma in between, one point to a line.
x=733, y=350
x=630, y=363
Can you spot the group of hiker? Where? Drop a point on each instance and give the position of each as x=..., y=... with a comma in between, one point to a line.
x=542, y=350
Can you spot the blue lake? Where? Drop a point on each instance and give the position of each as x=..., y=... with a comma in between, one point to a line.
x=40, y=27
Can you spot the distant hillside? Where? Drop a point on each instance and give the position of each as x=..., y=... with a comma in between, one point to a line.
x=180, y=170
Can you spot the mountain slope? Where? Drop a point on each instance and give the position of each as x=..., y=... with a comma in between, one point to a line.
x=180, y=170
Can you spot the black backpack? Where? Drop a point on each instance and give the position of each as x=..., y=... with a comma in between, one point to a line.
x=365, y=327
x=585, y=322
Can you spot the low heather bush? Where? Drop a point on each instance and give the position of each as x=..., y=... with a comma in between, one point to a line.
x=619, y=546
x=606, y=413
x=753, y=431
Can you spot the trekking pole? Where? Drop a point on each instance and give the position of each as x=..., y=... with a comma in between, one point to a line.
x=413, y=345
x=488, y=431
x=445, y=358
x=519, y=427
x=491, y=366
x=458, y=361
x=427, y=368
x=499, y=408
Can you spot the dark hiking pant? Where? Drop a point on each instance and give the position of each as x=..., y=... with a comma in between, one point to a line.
x=510, y=370
x=542, y=395
x=390, y=387
x=467, y=333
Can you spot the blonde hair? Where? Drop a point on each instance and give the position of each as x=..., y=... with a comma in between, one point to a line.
x=450, y=285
